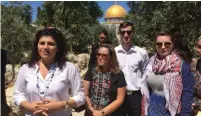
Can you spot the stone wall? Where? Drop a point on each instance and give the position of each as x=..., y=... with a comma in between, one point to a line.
x=10, y=88
x=81, y=62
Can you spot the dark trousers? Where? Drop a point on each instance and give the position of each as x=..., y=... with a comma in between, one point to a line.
x=133, y=103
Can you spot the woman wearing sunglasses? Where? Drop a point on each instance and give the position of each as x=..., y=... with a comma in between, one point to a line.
x=197, y=76
x=170, y=79
x=105, y=85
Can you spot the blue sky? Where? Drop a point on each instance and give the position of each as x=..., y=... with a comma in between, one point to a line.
x=103, y=4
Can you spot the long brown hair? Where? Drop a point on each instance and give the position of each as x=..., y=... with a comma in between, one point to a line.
x=113, y=58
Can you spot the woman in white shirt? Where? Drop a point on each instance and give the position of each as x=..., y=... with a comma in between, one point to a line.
x=43, y=84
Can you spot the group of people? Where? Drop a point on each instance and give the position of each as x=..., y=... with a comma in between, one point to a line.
x=120, y=81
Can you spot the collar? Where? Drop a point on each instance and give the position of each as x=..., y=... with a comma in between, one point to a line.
x=52, y=67
x=132, y=49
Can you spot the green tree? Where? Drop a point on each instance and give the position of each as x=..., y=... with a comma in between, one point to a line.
x=26, y=14
x=153, y=17
x=45, y=14
x=15, y=34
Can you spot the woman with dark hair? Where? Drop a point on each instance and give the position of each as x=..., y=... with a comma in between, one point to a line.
x=42, y=86
x=170, y=79
x=105, y=85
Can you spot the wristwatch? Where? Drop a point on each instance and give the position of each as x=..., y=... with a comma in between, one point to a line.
x=66, y=105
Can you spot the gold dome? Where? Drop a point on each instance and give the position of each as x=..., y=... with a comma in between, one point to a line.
x=115, y=11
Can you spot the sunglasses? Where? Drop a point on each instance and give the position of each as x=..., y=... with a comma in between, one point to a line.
x=198, y=46
x=166, y=44
x=103, y=56
x=128, y=32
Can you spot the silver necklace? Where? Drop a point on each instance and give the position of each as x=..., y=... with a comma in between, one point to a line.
x=43, y=93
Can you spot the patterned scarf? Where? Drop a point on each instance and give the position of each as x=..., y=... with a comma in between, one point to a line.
x=172, y=84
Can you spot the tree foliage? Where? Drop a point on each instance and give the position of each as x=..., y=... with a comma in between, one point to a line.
x=26, y=14
x=15, y=31
x=15, y=34
x=153, y=17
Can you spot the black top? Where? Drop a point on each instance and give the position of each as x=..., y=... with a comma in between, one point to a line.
x=4, y=107
x=3, y=71
x=113, y=82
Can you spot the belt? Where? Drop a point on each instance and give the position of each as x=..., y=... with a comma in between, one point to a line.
x=132, y=92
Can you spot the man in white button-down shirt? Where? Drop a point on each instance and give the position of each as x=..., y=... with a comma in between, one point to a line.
x=132, y=60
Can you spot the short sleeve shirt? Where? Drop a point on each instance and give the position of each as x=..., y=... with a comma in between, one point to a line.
x=103, y=87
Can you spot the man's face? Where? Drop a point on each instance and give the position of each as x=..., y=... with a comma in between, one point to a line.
x=102, y=37
x=198, y=48
x=126, y=34
x=103, y=58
